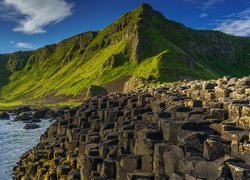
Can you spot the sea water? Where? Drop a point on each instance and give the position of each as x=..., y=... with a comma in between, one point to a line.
x=15, y=141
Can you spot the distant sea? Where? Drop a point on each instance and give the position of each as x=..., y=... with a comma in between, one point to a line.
x=14, y=142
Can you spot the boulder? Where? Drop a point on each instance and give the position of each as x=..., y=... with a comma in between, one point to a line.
x=31, y=126
x=23, y=117
x=4, y=115
x=40, y=113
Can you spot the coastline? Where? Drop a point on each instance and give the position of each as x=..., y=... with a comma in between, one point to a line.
x=15, y=141
x=149, y=133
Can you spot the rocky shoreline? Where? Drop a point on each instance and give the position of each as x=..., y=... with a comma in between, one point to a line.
x=187, y=130
x=30, y=116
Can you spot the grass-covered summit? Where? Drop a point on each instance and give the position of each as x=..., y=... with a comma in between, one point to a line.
x=140, y=43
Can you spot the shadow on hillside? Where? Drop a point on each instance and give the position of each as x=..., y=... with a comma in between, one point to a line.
x=4, y=76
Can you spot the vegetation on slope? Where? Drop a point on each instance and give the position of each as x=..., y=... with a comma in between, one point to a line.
x=140, y=43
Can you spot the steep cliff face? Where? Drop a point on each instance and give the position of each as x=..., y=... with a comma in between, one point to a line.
x=15, y=61
x=140, y=43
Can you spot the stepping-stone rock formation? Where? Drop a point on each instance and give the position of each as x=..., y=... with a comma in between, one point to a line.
x=186, y=130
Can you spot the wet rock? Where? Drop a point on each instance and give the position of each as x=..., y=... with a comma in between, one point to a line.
x=4, y=115
x=35, y=120
x=31, y=126
x=32, y=121
x=23, y=117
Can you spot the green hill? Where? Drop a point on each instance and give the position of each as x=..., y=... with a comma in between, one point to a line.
x=140, y=43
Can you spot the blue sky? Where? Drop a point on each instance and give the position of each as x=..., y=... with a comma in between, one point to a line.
x=30, y=24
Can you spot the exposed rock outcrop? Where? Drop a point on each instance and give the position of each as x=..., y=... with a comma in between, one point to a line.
x=95, y=90
x=31, y=126
x=40, y=113
x=4, y=115
x=23, y=117
x=186, y=130
x=133, y=83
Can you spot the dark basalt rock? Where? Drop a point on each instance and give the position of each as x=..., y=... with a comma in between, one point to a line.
x=4, y=115
x=23, y=109
x=35, y=120
x=31, y=126
x=40, y=113
x=23, y=117
x=32, y=121
x=177, y=131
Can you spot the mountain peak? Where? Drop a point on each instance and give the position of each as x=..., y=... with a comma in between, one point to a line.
x=142, y=42
x=145, y=9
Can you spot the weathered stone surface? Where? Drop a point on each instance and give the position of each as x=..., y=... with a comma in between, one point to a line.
x=214, y=149
x=239, y=170
x=186, y=130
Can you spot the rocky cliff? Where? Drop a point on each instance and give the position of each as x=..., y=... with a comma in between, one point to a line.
x=186, y=130
x=141, y=43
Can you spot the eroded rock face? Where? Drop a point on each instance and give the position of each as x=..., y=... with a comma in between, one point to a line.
x=186, y=130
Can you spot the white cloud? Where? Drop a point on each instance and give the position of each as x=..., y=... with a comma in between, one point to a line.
x=35, y=15
x=24, y=45
x=203, y=15
x=210, y=4
x=236, y=24
x=206, y=4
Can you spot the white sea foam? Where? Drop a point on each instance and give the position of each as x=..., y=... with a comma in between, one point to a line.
x=14, y=141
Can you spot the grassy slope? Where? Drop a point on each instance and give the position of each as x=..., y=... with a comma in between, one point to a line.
x=167, y=49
